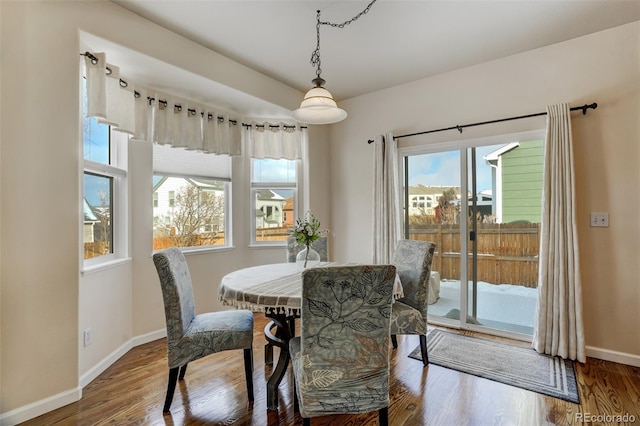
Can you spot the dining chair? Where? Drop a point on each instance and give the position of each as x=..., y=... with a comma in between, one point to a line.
x=412, y=260
x=192, y=336
x=341, y=358
x=294, y=247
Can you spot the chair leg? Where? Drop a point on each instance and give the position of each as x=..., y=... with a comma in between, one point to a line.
x=296, y=403
x=383, y=416
x=394, y=341
x=423, y=349
x=173, y=379
x=183, y=370
x=248, y=371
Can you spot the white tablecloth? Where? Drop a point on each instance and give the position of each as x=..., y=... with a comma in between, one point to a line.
x=276, y=287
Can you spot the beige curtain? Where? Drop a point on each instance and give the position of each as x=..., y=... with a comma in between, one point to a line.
x=387, y=204
x=559, y=327
x=276, y=141
x=147, y=114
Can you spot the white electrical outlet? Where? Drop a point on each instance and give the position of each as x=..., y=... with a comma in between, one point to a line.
x=600, y=220
x=88, y=336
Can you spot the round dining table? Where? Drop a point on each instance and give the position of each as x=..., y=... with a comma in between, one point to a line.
x=276, y=290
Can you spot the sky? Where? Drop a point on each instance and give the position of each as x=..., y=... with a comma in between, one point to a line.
x=443, y=168
x=96, y=148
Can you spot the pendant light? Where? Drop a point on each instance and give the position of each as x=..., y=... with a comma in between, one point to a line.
x=318, y=106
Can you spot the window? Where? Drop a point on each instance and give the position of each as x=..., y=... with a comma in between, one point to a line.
x=104, y=190
x=274, y=189
x=191, y=199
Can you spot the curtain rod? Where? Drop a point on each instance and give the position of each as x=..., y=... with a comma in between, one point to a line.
x=459, y=128
x=123, y=83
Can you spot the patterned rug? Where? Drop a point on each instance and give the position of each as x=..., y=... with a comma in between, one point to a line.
x=517, y=366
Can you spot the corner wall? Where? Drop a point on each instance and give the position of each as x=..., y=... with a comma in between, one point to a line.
x=45, y=303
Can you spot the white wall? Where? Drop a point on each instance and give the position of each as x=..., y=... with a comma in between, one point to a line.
x=46, y=303
x=603, y=68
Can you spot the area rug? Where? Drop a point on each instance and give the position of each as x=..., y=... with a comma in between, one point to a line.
x=517, y=366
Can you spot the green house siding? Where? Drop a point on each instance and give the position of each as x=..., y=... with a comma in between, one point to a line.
x=522, y=182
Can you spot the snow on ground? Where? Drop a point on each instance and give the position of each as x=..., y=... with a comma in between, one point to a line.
x=503, y=303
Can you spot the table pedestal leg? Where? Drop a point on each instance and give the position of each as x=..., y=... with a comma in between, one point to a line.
x=281, y=340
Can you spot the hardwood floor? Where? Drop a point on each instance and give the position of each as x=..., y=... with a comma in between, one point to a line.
x=131, y=392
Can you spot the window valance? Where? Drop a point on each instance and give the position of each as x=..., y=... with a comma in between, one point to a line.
x=276, y=141
x=148, y=114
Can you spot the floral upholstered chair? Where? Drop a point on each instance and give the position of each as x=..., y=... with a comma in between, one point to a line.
x=412, y=260
x=320, y=245
x=341, y=359
x=191, y=336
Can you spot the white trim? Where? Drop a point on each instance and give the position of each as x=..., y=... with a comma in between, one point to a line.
x=114, y=356
x=613, y=356
x=38, y=408
x=91, y=268
x=493, y=156
x=104, y=169
x=106, y=362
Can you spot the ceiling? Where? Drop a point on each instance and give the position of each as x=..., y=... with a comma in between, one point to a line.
x=396, y=42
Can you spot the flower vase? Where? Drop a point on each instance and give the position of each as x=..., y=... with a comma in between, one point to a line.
x=307, y=258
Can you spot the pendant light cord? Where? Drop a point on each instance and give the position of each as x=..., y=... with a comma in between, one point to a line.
x=315, y=56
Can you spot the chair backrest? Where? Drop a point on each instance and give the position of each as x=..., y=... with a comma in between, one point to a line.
x=345, y=324
x=412, y=260
x=177, y=292
x=319, y=245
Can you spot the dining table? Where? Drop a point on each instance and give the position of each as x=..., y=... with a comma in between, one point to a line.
x=276, y=290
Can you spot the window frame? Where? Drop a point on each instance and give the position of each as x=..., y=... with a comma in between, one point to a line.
x=294, y=186
x=117, y=171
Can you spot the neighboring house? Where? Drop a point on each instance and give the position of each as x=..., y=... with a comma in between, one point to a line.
x=270, y=209
x=484, y=204
x=288, y=213
x=517, y=181
x=165, y=192
x=423, y=200
x=90, y=221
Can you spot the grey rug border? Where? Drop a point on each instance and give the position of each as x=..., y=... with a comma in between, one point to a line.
x=571, y=376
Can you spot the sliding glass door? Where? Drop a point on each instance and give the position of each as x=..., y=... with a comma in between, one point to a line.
x=480, y=204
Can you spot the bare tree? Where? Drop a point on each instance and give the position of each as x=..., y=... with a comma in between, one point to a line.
x=447, y=211
x=194, y=216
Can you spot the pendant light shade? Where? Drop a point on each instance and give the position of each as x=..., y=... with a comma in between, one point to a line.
x=318, y=107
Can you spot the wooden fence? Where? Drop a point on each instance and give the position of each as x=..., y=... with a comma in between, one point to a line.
x=264, y=234
x=507, y=253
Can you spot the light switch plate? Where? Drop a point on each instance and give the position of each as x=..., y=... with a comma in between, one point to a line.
x=600, y=220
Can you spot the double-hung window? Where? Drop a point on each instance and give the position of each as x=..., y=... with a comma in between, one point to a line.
x=104, y=190
x=191, y=199
x=274, y=199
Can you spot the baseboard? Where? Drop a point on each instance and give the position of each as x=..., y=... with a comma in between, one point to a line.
x=109, y=360
x=149, y=337
x=38, y=408
x=106, y=362
x=54, y=402
x=613, y=356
